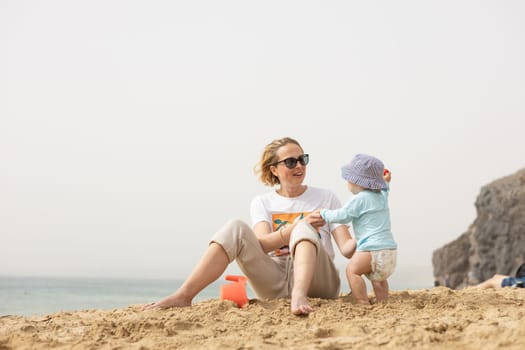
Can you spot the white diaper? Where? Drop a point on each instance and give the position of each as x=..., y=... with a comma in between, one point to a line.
x=383, y=264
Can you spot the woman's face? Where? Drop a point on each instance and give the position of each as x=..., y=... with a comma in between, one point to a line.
x=288, y=176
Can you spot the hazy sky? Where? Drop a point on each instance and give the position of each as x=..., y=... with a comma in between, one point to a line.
x=129, y=129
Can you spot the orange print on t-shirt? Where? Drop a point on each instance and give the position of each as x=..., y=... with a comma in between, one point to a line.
x=282, y=219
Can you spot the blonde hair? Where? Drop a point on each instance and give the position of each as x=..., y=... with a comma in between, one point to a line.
x=269, y=158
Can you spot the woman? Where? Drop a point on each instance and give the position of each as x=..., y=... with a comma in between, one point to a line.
x=287, y=252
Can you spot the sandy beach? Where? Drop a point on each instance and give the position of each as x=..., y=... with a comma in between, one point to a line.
x=435, y=318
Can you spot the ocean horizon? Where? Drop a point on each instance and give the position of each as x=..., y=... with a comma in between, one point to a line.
x=31, y=296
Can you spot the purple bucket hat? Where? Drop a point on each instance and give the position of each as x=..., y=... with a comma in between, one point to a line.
x=365, y=171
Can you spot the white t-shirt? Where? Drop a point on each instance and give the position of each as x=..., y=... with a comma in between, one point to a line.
x=278, y=210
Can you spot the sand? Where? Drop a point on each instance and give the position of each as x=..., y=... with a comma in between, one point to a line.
x=437, y=318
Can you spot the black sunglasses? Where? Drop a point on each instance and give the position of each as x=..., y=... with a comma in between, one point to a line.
x=292, y=162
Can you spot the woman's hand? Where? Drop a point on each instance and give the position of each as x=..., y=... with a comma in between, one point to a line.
x=315, y=219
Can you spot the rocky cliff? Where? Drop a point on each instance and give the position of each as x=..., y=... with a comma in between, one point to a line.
x=494, y=242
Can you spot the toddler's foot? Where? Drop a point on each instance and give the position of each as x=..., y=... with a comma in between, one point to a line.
x=361, y=302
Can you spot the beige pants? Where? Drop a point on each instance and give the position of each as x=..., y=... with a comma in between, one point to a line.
x=272, y=277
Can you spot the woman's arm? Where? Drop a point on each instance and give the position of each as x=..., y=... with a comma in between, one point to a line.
x=271, y=240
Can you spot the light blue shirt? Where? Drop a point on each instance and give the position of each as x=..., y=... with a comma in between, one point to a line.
x=370, y=217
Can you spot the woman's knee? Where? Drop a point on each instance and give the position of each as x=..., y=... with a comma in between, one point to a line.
x=304, y=235
x=236, y=227
x=231, y=237
x=236, y=233
x=304, y=248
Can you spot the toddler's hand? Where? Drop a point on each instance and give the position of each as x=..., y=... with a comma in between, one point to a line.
x=315, y=219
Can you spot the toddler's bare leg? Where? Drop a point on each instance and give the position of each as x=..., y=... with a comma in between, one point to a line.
x=380, y=290
x=359, y=265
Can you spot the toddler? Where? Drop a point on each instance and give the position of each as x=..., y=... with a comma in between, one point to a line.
x=376, y=251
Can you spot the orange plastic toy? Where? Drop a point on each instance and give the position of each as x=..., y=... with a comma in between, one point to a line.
x=236, y=291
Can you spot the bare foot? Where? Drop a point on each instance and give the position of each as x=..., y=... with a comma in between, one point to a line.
x=361, y=302
x=299, y=305
x=351, y=298
x=174, y=300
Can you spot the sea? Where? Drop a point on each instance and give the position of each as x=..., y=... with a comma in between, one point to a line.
x=32, y=296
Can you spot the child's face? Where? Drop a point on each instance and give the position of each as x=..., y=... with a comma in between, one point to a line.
x=355, y=189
